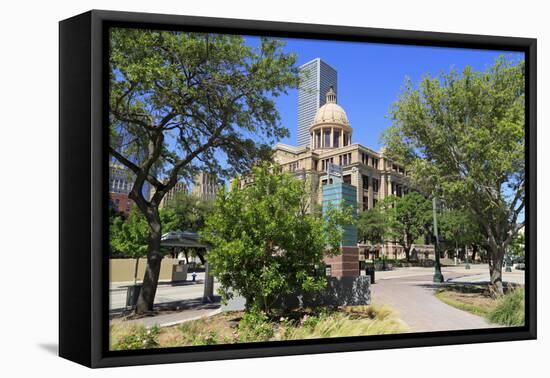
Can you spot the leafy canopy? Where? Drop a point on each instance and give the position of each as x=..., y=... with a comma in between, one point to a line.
x=462, y=135
x=182, y=102
x=371, y=226
x=188, y=212
x=407, y=218
x=186, y=101
x=130, y=236
x=459, y=227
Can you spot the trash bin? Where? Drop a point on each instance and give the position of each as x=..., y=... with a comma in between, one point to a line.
x=370, y=272
x=179, y=272
x=132, y=295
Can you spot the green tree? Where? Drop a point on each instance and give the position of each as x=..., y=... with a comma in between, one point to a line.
x=407, y=218
x=460, y=229
x=371, y=226
x=464, y=134
x=265, y=244
x=188, y=213
x=517, y=246
x=180, y=102
x=129, y=236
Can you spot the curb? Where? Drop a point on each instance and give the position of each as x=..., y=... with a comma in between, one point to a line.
x=170, y=324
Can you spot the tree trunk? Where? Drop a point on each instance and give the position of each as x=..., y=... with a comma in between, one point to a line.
x=474, y=251
x=407, y=250
x=136, y=266
x=495, y=270
x=201, y=257
x=152, y=270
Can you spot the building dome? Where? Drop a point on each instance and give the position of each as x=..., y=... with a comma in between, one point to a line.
x=331, y=112
x=330, y=127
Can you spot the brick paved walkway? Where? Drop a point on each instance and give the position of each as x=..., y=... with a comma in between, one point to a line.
x=413, y=299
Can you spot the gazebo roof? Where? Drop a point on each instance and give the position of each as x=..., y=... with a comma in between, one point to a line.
x=185, y=239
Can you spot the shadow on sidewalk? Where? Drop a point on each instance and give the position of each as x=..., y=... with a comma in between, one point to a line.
x=171, y=307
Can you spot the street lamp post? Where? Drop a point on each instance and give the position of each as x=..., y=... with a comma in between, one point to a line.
x=438, y=277
x=467, y=266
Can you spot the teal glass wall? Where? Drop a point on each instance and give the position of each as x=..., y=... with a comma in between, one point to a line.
x=336, y=194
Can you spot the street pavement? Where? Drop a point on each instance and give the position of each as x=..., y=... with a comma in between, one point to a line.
x=173, y=313
x=458, y=273
x=178, y=303
x=166, y=292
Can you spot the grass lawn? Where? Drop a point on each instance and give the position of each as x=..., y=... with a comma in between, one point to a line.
x=238, y=327
x=509, y=310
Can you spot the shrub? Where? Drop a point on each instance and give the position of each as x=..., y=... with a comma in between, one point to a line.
x=210, y=338
x=255, y=326
x=264, y=245
x=510, y=309
x=138, y=337
x=194, y=333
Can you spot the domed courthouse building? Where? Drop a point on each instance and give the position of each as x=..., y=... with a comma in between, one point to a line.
x=372, y=174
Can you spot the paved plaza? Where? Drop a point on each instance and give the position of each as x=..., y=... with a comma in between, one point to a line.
x=409, y=291
x=179, y=302
x=166, y=292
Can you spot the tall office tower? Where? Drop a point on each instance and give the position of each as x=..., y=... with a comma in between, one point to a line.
x=316, y=78
x=205, y=186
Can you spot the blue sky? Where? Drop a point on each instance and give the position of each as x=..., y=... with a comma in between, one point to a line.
x=370, y=77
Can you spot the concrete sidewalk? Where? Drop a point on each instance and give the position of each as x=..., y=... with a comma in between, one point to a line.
x=413, y=298
x=173, y=313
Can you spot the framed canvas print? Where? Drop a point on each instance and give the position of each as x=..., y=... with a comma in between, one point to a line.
x=234, y=188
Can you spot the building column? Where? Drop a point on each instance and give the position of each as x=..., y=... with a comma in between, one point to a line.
x=371, y=192
x=382, y=187
x=208, y=291
x=357, y=180
x=317, y=145
x=332, y=136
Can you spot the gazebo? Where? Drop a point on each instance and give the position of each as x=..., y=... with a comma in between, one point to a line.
x=188, y=239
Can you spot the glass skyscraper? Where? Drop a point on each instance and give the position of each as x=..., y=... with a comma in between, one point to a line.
x=316, y=78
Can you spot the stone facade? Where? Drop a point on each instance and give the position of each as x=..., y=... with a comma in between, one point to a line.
x=180, y=187
x=205, y=186
x=372, y=173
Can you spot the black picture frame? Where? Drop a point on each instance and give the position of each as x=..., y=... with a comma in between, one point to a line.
x=83, y=265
